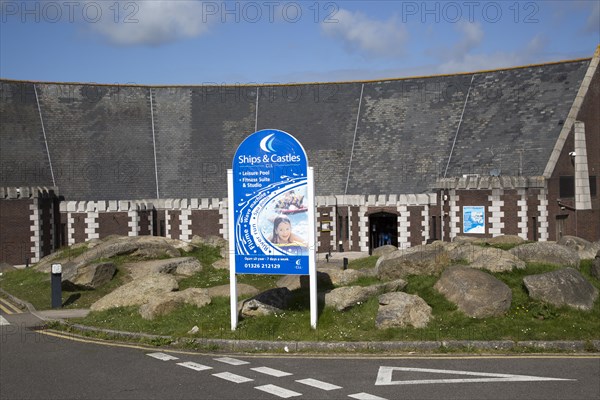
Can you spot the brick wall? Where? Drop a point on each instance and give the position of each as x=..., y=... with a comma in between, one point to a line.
x=15, y=233
x=205, y=222
x=113, y=223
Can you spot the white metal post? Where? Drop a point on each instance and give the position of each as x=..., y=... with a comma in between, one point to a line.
x=312, y=248
x=232, y=277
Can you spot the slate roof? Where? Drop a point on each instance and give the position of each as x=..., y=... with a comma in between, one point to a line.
x=396, y=139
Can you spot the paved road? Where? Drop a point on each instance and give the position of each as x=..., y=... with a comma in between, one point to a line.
x=42, y=365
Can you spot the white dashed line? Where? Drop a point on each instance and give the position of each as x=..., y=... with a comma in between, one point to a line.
x=270, y=371
x=233, y=377
x=319, y=384
x=278, y=391
x=194, y=366
x=231, y=361
x=162, y=356
x=365, y=396
x=3, y=321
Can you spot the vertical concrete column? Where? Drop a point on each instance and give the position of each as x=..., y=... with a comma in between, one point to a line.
x=363, y=236
x=543, y=214
x=403, y=227
x=332, y=240
x=224, y=218
x=583, y=199
x=35, y=228
x=185, y=223
x=496, y=214
x=71, y=207
x=91, y=224
x=134, y=221
x=455, y=229
x=167, y=224
x=425, y=223
x=522, y=214
x=52, y=241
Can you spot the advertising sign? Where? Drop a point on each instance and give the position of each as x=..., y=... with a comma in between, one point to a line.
x=271, y=206
x=473, y=219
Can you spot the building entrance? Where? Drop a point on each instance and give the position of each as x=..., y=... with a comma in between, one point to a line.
x=383, y=229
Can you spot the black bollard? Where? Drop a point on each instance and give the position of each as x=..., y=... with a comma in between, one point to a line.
x=56, y=285
x=345, y=267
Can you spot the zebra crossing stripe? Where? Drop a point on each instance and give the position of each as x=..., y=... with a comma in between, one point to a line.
x=270, y=371
x=365, y=396
x=228, y=376
x=319, y=384
x=162, y=356
x=231, y=361
x=278, y=391
x=194, y=366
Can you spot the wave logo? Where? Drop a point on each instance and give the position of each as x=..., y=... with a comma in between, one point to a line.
x=266, y=144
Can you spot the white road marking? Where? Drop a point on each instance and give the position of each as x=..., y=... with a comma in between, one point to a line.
x=319, y=384
x=231, y=361
x=233, y=377
x=384, y=377
x=278, y=391
x=162, y=356
x=365, y=396
x=3, y=321
x=270, y=371
x=194, y=366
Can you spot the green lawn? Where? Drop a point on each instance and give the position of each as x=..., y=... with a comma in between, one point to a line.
x=525, y=320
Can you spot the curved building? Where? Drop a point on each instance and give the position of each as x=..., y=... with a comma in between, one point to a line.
x=405, y=161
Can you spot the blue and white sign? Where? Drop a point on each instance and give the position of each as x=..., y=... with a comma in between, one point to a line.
x=473, y=219
x=271, y=208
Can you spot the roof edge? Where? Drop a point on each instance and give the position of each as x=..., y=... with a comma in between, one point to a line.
x=255, y=84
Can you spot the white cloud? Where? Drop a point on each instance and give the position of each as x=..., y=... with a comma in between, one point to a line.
x=150, y=22
x=530, y=53
x=361, y=34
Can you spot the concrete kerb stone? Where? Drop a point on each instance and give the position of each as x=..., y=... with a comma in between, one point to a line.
x=236, y=345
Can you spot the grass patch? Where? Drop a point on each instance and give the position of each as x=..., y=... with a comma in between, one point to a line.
x=363, y=263
x=206, y=254
x=527, y=319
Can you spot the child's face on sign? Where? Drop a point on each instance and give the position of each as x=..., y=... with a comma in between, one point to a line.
x=284, y=230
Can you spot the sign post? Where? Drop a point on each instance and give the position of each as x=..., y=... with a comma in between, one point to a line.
x=271, y=212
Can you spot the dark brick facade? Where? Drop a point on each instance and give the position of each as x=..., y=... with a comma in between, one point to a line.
x=113, y=223
x=206, y=223
x=15, y=232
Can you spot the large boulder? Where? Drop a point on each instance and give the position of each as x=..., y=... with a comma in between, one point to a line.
x=505, y=239
x=488, y=258
x=346, y=297
x=269, y=302
x=294, y=282
x=167, y=303
x=420, y=260
x=383, y=250
x=88, y=277
x=547, y=253
x=401, y=310
x=564, y=287
x=137, y=292
x=585, y=249
x=186, y=266
x=595, y=271
x=224, y=291
x=476, y=293
x=120, y=245
x=333, y=276
x=214, y=241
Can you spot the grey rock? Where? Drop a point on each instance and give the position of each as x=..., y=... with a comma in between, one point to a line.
x=505, y=239
x=88, y=277
x=382, y=250
x=222, y=263
x=401, y=310
x=186, y=266
x=586, y=250
x=346, y=297
x=488, y=258
x=137, y=292
x=547, y=253
x=214, y=241
x=464, y=239
x=224, y=291
x=564, y=287
x=476, y=293
x=5, y=267
x=269, y=302
x=422, y=260
x=169, y=302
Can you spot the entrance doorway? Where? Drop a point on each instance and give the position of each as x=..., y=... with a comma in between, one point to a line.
x=561, y=224
x=383, y=229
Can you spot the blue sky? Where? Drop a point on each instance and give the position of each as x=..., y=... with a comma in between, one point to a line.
x=202, y=42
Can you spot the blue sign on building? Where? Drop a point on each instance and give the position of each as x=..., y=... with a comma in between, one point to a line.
x=271, y=208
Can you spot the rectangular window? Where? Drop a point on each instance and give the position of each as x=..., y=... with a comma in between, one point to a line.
x=593, y=186
x=566, y=186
